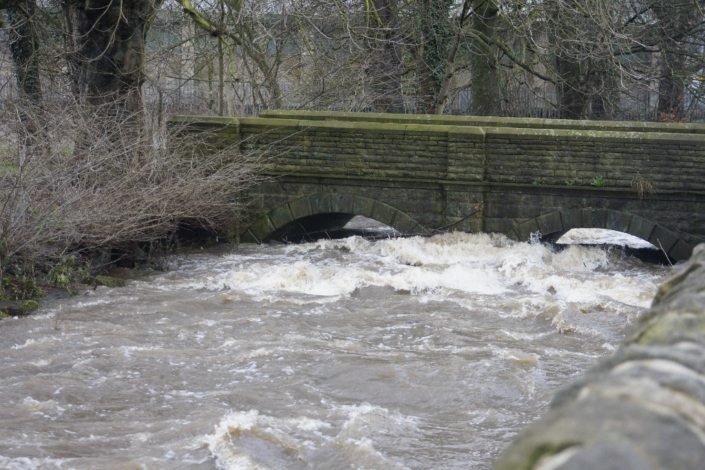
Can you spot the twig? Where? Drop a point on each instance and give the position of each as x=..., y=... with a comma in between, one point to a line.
x=478, y=208
x=664, y=252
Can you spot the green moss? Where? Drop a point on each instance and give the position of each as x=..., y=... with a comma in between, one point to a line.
x=109, y=281
x=30, y=305
x=525, y=456
x=546, y=449
x=17, y=308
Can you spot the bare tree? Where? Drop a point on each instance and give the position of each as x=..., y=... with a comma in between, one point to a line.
x=108, y=50
x=55, y=200
x=486, y=93
x=680, y=29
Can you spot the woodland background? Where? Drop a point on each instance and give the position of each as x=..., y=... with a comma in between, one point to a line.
x=593, y=59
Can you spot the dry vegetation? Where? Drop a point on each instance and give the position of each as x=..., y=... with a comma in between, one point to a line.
x=78, y=187
x=644, y=186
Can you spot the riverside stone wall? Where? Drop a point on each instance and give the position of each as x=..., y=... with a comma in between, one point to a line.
x=641, y=408
x=436, y=169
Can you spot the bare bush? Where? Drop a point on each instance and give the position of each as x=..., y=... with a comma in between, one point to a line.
x=79, y=184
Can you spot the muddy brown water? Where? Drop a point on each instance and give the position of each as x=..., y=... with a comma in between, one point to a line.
x=412, y=353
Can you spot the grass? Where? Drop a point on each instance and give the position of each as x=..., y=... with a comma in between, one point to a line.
x=644, y=186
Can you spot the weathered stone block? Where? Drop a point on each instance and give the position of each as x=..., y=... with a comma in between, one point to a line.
x=511, y=234
x=524, y=230
x=662, y=238
x=593, y=218
x=280, y=216
x=363, y=206
x=618, y=221
x=417, y=229
x=300, y=208
x=384, y=213
x=680, y=251
x=342, y=203
x=641, y=228
x=262, y=228
x=571, y=219
x=550, y=223
x=404, y=224
x=320, y=203
x=249, y=237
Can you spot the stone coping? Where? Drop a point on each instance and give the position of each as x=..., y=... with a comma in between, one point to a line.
x=609, y=134
x=489, y=121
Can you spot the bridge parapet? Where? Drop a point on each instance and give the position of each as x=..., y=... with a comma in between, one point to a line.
x=436, y=169
x=488, y=121
x=671, y=158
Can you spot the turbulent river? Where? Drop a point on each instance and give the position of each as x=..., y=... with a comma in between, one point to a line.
x=418, y=353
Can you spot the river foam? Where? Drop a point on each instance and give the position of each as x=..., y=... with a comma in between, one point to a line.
x=450, y=266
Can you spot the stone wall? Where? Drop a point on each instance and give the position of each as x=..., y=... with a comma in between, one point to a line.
x=672, y=161
x=437, y=168
x=641, y=408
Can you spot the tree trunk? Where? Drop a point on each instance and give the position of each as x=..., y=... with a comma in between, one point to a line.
x=433, y=58
x=676, y=23
x=385, y=67
x=110, y=50
x=572, y=61
x=485, y=85
x=24, y=47
x=606, y=96
x=573, y=88
x=24, y=44
x=671, y=88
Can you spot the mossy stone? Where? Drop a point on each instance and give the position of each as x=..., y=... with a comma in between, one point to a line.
x=109, y=281
x=17, y=308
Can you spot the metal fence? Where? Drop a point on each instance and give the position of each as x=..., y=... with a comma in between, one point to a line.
x=190, y=96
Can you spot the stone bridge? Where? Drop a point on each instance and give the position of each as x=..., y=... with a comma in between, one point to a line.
x=516, y=176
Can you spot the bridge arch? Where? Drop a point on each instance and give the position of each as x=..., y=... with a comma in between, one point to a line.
x=333, y=210
x=561, y=221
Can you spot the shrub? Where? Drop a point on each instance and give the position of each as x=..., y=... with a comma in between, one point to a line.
x=85, y=183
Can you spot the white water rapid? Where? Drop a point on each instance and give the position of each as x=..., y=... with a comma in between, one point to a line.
x=413, y=353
